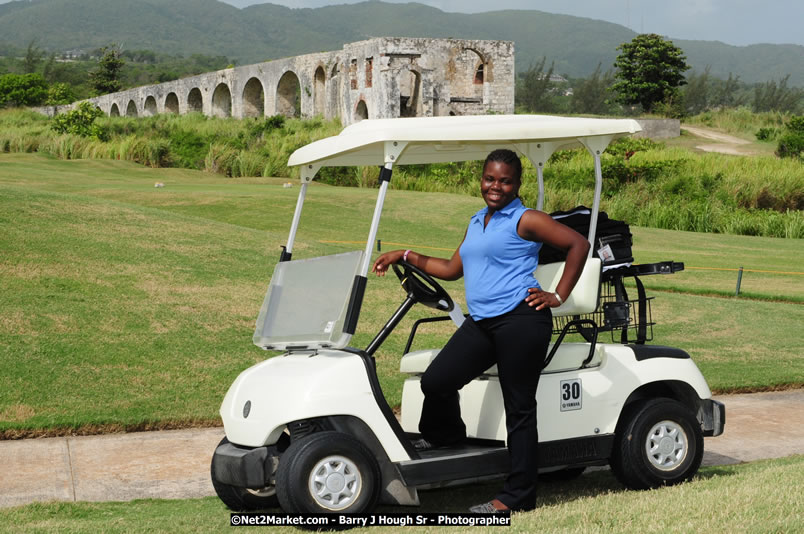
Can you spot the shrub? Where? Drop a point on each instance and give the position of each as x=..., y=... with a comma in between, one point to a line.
x=767, y=134
x=188, y=149
x=796, y=124
x=22, y=90
x=59, y=94
x=81, y=121
x=791, y=144
x=631, y=145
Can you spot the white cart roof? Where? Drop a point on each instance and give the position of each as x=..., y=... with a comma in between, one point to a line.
x=462, y=138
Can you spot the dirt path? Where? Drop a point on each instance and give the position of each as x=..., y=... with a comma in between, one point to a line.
x=725, y=144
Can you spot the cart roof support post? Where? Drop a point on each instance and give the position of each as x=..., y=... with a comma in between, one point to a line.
x=393, y=149
x=596, y=146
x=538, y=154
x=308, y=172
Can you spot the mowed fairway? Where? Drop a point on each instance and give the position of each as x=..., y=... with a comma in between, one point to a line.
x=129, y=305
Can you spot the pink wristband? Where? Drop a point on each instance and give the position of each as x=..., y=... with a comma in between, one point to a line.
x=405, y=255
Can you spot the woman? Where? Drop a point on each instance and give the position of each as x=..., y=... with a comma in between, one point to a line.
x=510, y=321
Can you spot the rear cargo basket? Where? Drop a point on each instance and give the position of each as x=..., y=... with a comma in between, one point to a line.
x=618, y=314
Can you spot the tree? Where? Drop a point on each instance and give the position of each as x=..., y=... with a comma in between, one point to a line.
x=33, y=57
x=534, y=90
x=696, y=94
x=22, y=90
x=106, y=78
x=725, y=94
x=772, y=97
x=649, y=71
x=591, y=95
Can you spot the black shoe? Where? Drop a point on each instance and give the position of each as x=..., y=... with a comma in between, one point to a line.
x=422, y=444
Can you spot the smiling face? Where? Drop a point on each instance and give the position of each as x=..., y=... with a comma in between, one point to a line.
x=499, y=185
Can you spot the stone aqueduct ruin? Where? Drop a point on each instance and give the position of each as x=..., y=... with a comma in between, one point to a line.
x=378, y=78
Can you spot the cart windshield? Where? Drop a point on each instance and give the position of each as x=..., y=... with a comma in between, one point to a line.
x=307, y=302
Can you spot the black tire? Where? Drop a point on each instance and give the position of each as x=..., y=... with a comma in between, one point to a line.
x=328, y=472
x=242, y=499
x=658, y=443
x=562, y=475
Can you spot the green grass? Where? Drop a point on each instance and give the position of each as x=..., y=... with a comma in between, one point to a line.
x=759, y=497
x=133, y=306
x=658, y=186
x=740, y=122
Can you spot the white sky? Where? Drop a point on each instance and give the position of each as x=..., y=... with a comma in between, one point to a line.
x=737, y=22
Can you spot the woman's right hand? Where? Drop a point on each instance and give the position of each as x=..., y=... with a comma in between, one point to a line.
x=382, y=263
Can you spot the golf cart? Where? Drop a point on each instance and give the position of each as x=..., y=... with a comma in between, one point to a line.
x=310, y=430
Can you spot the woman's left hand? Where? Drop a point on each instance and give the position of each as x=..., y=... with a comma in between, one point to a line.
x=540, y=299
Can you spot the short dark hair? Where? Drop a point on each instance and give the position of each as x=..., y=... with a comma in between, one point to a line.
x=509, y=157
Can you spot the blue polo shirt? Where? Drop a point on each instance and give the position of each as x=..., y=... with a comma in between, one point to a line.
x=498, y=264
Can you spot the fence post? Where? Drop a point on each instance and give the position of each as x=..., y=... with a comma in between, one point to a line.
x=739, y=280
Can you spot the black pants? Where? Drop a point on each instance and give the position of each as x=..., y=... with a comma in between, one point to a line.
x=517, y=342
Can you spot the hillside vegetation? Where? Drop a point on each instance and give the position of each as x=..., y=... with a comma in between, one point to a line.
x=267, y=31
x=646, y=183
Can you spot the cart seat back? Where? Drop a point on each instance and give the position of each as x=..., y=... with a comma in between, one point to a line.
x=570, y=356
x=586, y=293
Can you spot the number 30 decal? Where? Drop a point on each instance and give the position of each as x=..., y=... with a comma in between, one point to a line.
x=571, y=395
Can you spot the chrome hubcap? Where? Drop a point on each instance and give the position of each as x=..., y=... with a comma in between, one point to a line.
x=667, y=445
x=335, y=483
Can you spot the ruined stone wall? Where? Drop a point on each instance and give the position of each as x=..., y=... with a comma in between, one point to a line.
x=378, y=78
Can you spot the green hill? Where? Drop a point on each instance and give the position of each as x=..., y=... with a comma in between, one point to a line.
x=268, y=31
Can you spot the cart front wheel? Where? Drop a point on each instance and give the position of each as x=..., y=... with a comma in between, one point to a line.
x=328, y=472
x=658, y=443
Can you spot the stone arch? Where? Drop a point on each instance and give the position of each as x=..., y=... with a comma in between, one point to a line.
x=319, y=91
x=479, y=71
x=253, y=99
x=222, y=101
x=131, y=109
x=150, y=106
x=195, y=100
x=288, y=95
x=410, y=90
x=114, y=111
x=171, y=103
x=361, y=111
x=471, y=72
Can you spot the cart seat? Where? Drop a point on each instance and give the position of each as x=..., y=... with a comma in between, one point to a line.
x=586, y=293
x=569, y=357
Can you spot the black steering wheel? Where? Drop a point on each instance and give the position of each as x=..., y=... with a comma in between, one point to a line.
x=421, y=287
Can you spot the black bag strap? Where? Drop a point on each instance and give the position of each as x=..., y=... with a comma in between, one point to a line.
x=621, y=295
x=642, y=325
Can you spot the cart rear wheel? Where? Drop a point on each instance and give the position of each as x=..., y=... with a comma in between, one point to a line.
x=243, y=499
x=328, y=472
x=657, y=443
